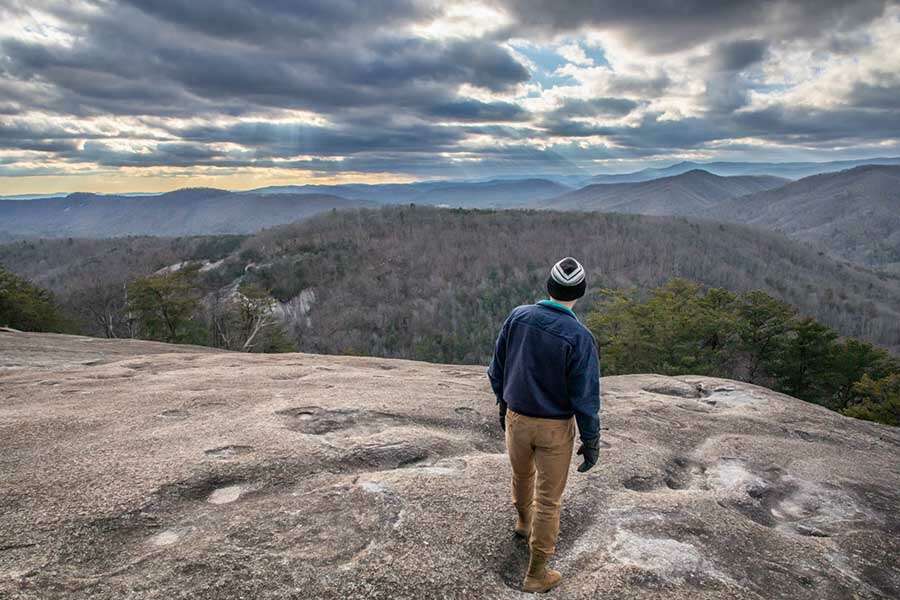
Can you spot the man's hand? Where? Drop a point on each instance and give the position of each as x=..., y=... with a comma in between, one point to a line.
x=590, y=450
x=502, y=406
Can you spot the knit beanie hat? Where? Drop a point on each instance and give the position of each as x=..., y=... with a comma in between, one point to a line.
x=566, y=281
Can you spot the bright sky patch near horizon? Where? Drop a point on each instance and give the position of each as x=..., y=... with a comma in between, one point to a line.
x=144, y=95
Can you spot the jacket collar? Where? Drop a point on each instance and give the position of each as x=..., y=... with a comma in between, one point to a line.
x=552, y=304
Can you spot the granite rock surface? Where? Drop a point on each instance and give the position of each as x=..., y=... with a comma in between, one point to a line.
x=140, y=470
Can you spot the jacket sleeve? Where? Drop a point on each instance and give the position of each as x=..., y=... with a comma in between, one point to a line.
x=583, y=382
x=498, y=362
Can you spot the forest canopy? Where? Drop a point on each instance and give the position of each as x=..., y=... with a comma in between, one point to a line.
x=684, y=329
x=27, y=307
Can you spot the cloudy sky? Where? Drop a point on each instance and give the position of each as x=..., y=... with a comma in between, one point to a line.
x=133, y=95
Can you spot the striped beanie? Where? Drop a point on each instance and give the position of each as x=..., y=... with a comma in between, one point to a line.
x=566, y=281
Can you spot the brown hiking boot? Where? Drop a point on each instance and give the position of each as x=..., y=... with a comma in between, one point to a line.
x=539, y=578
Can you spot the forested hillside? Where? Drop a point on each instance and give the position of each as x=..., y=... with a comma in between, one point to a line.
x=434, y=284
x=854, y=213
x=69, y=265
x=682, y=328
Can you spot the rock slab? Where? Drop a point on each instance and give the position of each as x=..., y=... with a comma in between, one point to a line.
x=140, y=470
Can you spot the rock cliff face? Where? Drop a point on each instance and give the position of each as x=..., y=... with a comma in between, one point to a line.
x=140, y=470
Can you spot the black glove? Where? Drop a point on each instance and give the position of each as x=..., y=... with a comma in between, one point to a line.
x=502, y=406
x=590, y=449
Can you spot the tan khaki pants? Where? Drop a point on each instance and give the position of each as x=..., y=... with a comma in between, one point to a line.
x=540, y=451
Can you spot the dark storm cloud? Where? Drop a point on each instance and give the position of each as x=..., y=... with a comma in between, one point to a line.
x=667, y=26
x=263, y=20
x=345, y=61
x=474, y=110
x=727, y=88
x=846, y=43
x=726, y=93
x=882, y=96
x=52, y=146
x=776, y=124
x=281, y=139
x=129, y=57
x=17, y=131
x=388, y=99
x=22, y=135
x=741, y=33
x=565, y=120
x=738, y=55
x=562, y=126
x=166, y=154
x=507, y=159
x=98, y=77
x=25, y=136
x=644, y=87
x=785, y=124
x=412, y=74
x=653, y=132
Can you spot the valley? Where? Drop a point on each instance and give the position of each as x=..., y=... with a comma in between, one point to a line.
x=430, y=283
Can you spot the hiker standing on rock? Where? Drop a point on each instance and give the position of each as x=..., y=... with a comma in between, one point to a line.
x=544, y=372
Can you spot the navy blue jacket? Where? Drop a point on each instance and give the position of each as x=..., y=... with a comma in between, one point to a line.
x=546, y=365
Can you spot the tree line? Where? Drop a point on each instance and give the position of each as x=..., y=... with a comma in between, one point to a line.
x=683, y=328
x=680, y=328
x=169, y=306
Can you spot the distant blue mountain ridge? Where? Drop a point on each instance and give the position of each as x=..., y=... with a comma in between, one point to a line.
x=788, y=170
x=510, y=191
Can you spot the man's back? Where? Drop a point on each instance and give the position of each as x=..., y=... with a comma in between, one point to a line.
x=545, y=365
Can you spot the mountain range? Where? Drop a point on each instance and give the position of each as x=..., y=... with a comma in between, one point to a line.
x=853, y=214
x=198, y=211
x=692, y=193
x=187, y=211
x=537, y=186
x=496, y=193
x=788, y=170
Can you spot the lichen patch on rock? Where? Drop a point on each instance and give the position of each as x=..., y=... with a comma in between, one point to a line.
x=225, y=495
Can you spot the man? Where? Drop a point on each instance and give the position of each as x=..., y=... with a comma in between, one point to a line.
x=544, y=372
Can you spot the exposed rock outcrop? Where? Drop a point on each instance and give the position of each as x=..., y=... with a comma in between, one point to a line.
x=140, y=470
